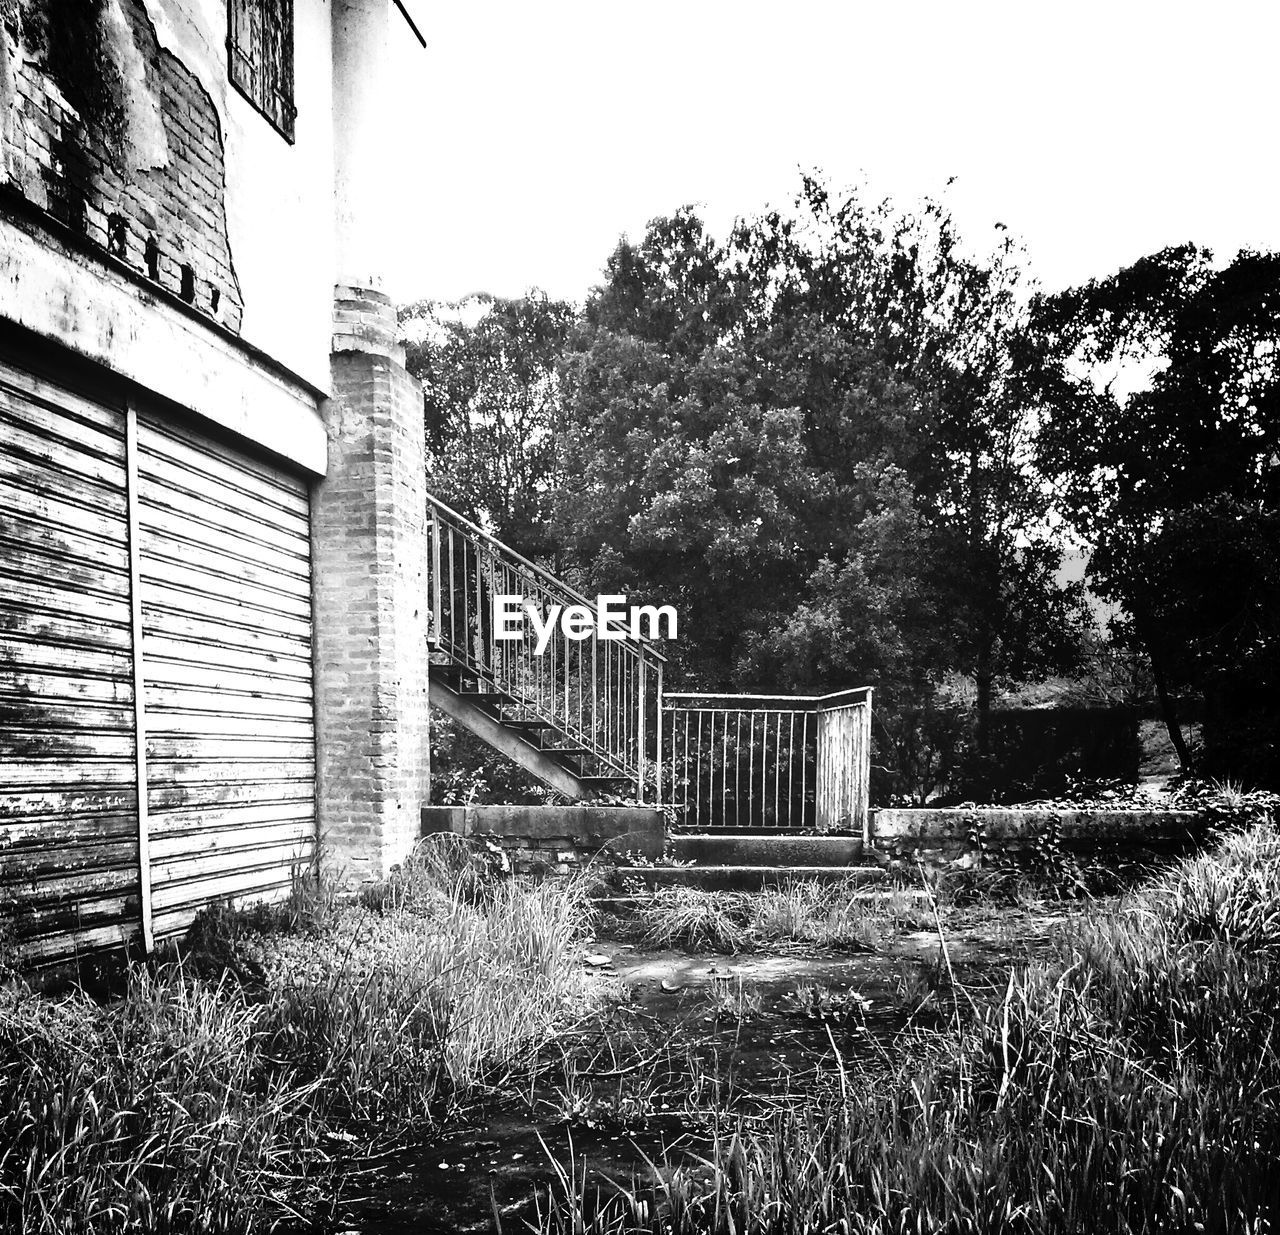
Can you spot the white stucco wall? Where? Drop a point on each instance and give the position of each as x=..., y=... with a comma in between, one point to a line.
x=364, y=138
x=278, y=199
x=279, y=202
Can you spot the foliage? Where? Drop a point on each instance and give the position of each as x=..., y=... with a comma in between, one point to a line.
x=812, y=439
x=218, y=1104
x=165, y=1112
x=844, y=447
x=1164, y=440
x=492, y=408
x=466, y=771
x=1131, y=1087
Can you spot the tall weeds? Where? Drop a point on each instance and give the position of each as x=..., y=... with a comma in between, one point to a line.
x=162, y=1113
x=207, y=1104
x=1134, y=1086
x=803, y=911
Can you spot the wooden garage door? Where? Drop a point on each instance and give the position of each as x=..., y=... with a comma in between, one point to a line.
x=68, y=776
x=226, y=655
x=216, y=632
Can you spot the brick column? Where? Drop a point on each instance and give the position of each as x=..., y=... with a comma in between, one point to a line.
x=371, y=601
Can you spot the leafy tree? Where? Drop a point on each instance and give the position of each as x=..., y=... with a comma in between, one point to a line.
x=814, y=439
x=488, y=372
x=1164, y=440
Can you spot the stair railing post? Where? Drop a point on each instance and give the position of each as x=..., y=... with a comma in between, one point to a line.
x=864, y=787
x=658, y=767
x=640, y=703
x=437, y=604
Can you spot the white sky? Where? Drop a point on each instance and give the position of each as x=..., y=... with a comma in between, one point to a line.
x=536, y=133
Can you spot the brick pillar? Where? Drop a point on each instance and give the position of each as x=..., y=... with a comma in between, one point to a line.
x=371, y=602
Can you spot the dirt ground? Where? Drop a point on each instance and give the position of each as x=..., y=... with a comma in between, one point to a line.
x=684, y=1041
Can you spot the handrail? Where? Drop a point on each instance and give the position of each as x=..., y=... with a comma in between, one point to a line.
x=863, y=691
x=793, y=762
x=595, y=696
x=507, y=551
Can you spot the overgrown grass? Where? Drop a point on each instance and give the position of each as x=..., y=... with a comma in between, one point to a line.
x=1133, y=1086
x=212, y=1104
x=164, y=1112
x=802, y=911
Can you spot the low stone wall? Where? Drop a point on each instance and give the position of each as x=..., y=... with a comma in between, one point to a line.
x=1013, y=829
x=543, y=840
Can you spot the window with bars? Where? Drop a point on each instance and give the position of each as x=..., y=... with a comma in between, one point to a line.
x=260, y=57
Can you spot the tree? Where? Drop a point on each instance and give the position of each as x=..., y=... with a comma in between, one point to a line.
x=1164, y=441
x=813, y=439
x=492, y=403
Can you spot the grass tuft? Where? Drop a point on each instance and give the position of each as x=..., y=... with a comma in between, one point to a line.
x=801, y=911
x=1131, y=1087
x=211, y=1096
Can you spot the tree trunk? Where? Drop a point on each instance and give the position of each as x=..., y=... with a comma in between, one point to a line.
x=1167, y=709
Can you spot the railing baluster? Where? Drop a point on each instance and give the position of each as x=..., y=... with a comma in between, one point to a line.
x=453, y=596
x=737, y=769
x=437, y=632
x=697, y=748
x=725, y=718
x=685, y=762
x=804, y=768
x=658, y=743
x=791, y=764
x=764, y=769
x=640, y=732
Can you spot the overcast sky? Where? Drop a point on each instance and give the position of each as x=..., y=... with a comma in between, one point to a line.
x=538, y=132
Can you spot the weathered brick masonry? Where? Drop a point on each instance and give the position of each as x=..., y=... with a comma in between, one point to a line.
x=371, y=601
x=554, y=840
x=126, y=151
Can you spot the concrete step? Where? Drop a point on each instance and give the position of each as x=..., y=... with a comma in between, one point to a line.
x=744, y=878
x=869, y=895
x=756, y=849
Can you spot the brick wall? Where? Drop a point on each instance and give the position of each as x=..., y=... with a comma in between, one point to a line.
x=554, y=840
x=371, y=602
x=129, y=155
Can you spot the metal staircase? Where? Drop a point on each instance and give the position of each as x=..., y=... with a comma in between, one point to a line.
x=583, y=716
x=587, y=715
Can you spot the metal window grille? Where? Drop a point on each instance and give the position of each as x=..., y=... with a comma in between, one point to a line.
x=260, y=58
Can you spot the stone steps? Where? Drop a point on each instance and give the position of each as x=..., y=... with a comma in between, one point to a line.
x=743, y=878
x=766, y=849
x=748, y=861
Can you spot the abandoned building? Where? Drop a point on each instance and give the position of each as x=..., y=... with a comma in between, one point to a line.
x=211, y=483
x=229, y=599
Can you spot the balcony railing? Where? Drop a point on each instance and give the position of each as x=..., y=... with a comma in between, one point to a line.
x=774, y=762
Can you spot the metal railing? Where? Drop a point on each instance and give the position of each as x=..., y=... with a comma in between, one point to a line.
x=601, y=694
x=784, y=762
